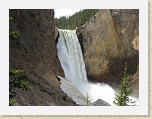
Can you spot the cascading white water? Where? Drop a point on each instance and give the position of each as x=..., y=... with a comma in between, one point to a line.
x=70, y=56
x=71, y=59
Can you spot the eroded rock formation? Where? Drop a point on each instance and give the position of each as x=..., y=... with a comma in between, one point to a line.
x=106, y=42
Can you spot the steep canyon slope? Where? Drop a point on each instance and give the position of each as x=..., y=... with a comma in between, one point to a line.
x=34, y=51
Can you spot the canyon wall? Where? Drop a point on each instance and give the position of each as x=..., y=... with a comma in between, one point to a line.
x=106, y=42
x=34, y=51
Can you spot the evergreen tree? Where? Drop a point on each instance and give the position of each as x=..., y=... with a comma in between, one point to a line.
x=77, y=19
x=122, y=96
x=87, y=100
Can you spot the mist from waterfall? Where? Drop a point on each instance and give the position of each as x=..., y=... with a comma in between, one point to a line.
x=71, y=59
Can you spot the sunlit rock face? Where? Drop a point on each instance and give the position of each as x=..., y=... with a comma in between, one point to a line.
x=71, y=90
x=135, y=43
x=106, y=42
x=135, y=78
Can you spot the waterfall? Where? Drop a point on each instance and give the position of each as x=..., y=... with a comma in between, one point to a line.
x=70, y=56
x=71, y=59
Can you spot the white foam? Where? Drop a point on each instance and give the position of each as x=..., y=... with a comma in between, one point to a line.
x=71, y=59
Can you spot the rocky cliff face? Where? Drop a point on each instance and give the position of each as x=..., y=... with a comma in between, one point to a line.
x=106, y=42
x=34, y=52
x=135, y=78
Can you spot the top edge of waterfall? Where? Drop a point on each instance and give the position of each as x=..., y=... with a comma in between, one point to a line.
x=66, y=29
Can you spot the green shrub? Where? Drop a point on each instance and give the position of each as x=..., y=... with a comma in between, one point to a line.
x=12, y=101
x=12, y=71
x=19, y=81
x=13, y=35
x=11, y=18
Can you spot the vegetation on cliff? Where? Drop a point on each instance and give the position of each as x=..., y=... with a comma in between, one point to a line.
x=17, y=78
x=33, y=62
x=18, y=81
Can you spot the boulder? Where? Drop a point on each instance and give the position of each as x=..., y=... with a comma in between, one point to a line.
x=101, y=102
x=71, y=90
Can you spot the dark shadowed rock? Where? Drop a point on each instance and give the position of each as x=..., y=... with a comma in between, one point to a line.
x=34, y=51
x=56, y=33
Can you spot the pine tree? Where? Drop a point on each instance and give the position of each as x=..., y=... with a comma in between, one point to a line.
x=87, y=100
x=77, y=19
x=122, y=96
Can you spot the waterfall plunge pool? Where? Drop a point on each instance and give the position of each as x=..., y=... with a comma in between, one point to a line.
x=71, y=59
